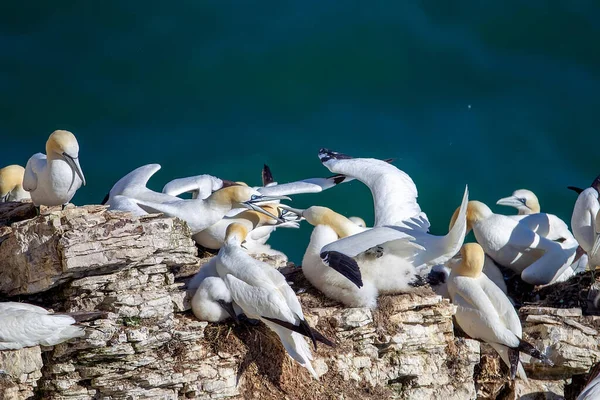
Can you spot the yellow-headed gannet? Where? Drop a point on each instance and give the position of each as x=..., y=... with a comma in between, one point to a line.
x=485, y=313
x=11, y=184
x=513, y=244
x=388, y=259
x=263, y=293
x=26, y=325
x=394, y=192
x=546, y=225
x=53, y=178
x=525, y=201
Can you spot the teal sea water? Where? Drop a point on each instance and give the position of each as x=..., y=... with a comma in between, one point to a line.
x=497, y=95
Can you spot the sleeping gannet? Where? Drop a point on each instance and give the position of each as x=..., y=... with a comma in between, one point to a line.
x=525, y=201
x=11, y=184
x=211, y=299
x=26, y=325
x=53, y=178
x=485, y=313
x=263, y=293
x=385, y=259
x=513, y=244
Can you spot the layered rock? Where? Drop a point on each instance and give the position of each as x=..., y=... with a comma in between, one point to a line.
x=149, y=346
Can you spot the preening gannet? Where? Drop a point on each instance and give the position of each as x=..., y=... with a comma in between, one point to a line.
x=263, y=293
x=410, y=242
x=11, y=184
x=394, y=192
x=513, y=244
x=485, y=313
x=53, y=178
x=525, y=201
x=26, y=325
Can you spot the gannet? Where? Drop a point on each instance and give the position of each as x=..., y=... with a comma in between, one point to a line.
x=485, y=313
x=53, y=178
x=11, y=184
x=259, y=225
x=513, y=244
x=263, y=293
x=525, y=201
x=591, y=391
x=211, y=299
x=26, y=325
x=386, y=259
x=544, y=224
x=200, y=186
x=358, y=221
x=394, y=192
x=584, y=220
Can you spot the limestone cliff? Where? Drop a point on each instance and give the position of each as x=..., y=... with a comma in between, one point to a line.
x=150, y=346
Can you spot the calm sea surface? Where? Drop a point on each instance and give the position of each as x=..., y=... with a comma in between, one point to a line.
x=497, y=95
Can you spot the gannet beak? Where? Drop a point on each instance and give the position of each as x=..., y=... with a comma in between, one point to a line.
x=299, y=213
x=263, y=211
x=265, y=199
x=74, y=163
x=511, y=201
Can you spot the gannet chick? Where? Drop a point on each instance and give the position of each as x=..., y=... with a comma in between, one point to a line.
x=525, y=201
x=11, y=184
x=211, y=299
x=485, y=313
x=263, y=293
x=203, y=213
x=53, y=178
x=410, y=242
x=26, y=325
x=394, y=192
x=515, y=245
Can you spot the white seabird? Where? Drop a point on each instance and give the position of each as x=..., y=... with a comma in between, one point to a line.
x=263, y=293
x=525, y=201
x=26, y=325
x=387, y=259
x=584, y=221
x=53, y=178
x=515, y=245
x=11, y=184
x=211, y=299
x=484, y=312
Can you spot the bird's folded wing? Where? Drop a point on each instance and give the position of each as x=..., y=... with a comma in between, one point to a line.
x=36, y=163
x=395, y=240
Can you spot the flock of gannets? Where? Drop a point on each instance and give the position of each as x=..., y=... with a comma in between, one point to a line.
x=345, y=260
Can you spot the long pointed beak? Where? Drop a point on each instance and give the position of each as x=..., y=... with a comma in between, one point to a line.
x=74, y=163
x=263, y=211
x=511, y=201
x=299, y=212
x=266, y=199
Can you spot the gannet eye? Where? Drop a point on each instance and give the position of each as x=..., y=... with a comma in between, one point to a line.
x=254, y=197
x=523, y=200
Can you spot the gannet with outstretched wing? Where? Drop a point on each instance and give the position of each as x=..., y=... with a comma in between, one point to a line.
x=484, y=312
x=263, y=293
x=515, y=245
x=11, y=184
x=26, y=325
x=53, y=178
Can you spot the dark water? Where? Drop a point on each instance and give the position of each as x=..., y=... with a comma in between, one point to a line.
x=499, y=95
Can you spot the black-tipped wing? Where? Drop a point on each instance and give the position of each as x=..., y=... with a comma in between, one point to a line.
x=513, y=359
x=305, y=330
x=229, y=308
x=575, y=189
x=267, y=176
x=343, y=264
x=532, y=351
x=326, y=155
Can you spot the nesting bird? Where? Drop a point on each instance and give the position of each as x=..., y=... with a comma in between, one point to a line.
x=53, y=178
x=484, y=312
x=11, y=184
x=263, y=293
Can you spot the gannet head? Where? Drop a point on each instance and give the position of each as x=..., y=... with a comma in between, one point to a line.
x=10, y=177
x=236, y=233
x=476, y=211
x=523, y=200
x=245, y=197
x=358, y=221
x=317, y=215
x=472, y=261
x=64, y=145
